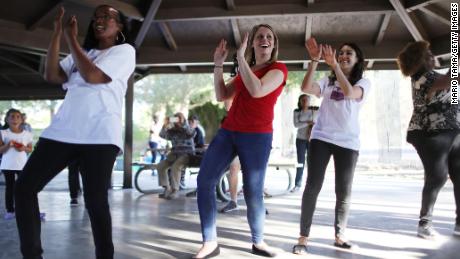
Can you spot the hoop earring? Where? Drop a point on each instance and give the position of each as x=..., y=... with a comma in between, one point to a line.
x=123, y=36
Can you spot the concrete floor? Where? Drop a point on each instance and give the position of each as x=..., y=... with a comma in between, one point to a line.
x=382, y=222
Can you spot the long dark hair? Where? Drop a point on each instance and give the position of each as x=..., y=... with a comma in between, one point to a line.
x=299, y=102
x=8, y=113
x=124, y=37
x=358, y=69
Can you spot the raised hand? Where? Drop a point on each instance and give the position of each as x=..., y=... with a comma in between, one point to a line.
x=71, y=29
x=313, y=49
x=329, y=56
x=221, y=52
x=243, y=46
x=58, y=20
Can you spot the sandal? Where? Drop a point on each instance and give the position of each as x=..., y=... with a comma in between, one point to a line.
x=344, y=244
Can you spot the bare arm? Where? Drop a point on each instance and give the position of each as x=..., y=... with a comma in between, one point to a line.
x=28, y=148
x=3, y=146
x=88, y=70
x=349, y=91
x=308, y=86
x=257, y=87
x=441, y=83
x=223, y=91
x=53, y=71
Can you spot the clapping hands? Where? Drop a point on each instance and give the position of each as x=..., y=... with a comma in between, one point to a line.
x=321, y=51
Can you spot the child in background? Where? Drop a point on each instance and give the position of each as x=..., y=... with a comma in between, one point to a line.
x=15, y=143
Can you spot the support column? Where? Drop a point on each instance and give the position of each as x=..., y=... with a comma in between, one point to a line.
x=128, y=149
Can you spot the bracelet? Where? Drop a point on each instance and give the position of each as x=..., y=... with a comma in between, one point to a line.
x=315, y=60
x=216, y=66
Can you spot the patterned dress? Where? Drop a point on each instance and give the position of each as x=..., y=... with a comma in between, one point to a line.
x=436, y=114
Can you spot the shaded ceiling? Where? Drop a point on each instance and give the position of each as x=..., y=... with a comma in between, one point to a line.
x=179, y=36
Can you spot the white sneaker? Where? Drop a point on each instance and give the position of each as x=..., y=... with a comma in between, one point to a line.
x=427, y=232
x=9, y=216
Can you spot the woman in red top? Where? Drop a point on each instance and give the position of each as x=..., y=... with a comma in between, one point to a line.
x=247, y=132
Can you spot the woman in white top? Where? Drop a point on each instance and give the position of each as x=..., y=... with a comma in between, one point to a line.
x=87, y=128
x=15, y=143
x=336, y=132
x=303, y=121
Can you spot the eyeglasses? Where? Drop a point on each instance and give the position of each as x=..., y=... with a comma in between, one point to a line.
x=104, y=17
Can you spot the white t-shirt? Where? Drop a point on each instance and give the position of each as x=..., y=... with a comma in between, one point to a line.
x=338, y=116
x=92, y=113
x=13, y=159
x=155, y=129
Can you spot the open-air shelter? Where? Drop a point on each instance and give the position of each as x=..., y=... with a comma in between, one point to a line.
x=177, y=36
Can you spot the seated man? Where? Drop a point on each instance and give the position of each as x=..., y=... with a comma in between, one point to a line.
x=195, y=160
x=181, y=135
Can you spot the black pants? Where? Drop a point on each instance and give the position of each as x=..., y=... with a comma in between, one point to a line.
x=440, y=155
x=48, y=159
x=74, y=179
x=10, y=183
x=301, y=148
x=319, y=154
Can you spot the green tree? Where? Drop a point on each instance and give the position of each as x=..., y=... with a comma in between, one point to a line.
x=175, y=92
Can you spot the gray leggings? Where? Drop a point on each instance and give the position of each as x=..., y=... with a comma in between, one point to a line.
x=440, y=155
x=319, y=154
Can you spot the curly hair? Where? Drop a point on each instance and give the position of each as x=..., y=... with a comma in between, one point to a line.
x=412, y=58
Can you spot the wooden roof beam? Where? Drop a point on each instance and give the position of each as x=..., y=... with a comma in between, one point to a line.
x=9, y=80
x=236, y=32
x=183, y=68
x=17, y=61
x=33, y=92
x=50, y=9
x=412, y=5
x=129, y=10
x=305, y=65
x=410, y=21
x=199, y=54
x=335, y=7
x=383, y=28
x=308, y=27
x=167, y=35
x=370, y=64
x=437, y=13
x=230, y=5
x=153, y=9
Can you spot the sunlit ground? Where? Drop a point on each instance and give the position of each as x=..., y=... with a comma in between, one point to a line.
x=382, y=222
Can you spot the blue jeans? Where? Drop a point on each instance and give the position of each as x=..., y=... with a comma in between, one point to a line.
x=253, y=149
x=301, y=147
